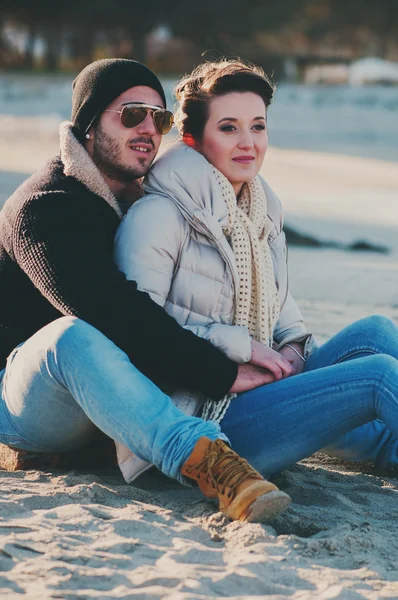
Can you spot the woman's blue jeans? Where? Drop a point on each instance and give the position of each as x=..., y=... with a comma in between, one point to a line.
x=345, y=404
x=68, y=380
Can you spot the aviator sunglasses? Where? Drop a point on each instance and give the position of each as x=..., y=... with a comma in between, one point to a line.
x=134, y=113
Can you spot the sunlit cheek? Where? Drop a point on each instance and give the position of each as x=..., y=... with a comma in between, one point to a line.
x=218, y=156
x=262, y=150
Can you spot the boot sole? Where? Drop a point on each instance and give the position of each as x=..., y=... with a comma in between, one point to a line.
x=266, y=507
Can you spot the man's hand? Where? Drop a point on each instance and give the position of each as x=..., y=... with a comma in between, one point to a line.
x=273, y=361
x=297, y=363
x=249, y=377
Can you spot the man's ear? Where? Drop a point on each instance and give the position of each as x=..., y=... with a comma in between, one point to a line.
x=189, y=140
x=89, y=134
x=88, y=140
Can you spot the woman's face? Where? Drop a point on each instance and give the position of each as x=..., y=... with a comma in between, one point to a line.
x=235, y=136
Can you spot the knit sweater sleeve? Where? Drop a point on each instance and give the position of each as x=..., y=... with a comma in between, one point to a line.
x=148, y=247
x=64, y=248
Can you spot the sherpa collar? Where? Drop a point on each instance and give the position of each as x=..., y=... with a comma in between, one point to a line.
x=78, y=164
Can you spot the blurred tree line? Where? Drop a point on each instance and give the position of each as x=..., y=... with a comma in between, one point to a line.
x=72, y=34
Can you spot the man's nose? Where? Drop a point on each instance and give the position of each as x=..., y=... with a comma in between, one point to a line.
x=147, y=127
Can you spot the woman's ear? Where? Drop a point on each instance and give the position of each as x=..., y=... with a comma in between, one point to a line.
x=189, y=140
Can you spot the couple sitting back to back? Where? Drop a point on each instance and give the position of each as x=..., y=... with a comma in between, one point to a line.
x=180, y=340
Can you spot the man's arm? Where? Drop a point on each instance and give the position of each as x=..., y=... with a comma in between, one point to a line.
x=65, y=251
x=148, y=246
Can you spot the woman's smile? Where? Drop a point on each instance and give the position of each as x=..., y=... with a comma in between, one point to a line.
x=244, y=160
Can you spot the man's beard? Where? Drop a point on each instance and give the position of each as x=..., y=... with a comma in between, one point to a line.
x=107, y=155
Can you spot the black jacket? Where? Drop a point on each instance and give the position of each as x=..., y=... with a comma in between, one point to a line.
x=56, y=247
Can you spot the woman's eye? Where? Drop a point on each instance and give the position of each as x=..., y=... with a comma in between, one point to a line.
x=228, y=128
x=231, y=128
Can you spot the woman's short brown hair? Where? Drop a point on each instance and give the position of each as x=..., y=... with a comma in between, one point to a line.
x=210, y=80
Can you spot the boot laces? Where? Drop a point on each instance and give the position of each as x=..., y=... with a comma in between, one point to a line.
x=224, y=468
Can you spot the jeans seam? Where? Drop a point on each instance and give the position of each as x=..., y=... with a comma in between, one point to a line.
x=15, y=438
x=354, y=352
x=330, y=388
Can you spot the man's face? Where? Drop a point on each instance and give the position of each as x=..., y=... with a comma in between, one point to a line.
x=125, y=154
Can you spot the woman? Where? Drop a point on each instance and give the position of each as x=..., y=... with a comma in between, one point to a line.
x=207, y=243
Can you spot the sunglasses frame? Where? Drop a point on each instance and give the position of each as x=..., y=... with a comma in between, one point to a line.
x=148, y=108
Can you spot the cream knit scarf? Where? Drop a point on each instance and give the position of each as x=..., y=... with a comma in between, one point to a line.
x=257, y=305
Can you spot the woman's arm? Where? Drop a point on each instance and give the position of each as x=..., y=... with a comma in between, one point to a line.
x=290, y=328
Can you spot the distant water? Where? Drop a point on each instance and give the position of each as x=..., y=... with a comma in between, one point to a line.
x=359, y=121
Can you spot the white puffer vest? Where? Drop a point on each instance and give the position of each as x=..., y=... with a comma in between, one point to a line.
x=171, y=242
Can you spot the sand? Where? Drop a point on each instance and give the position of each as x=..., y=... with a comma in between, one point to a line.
x=82, y=535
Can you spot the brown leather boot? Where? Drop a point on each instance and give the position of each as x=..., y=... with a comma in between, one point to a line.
x=244, y=495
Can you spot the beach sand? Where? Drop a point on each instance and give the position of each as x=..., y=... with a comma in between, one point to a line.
x=83, y=535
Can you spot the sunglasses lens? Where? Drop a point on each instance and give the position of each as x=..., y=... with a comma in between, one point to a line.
x=132, y=116
x=164, y=121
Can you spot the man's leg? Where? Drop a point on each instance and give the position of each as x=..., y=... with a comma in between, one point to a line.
x=68, y=379
x=373, y=441
x=278, y=424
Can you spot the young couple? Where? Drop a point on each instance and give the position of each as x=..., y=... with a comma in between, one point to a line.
x=181, y=342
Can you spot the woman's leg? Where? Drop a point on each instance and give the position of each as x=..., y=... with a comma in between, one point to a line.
x=69, y=378
x=373, y=441
x=278, y=424
x=372, y=335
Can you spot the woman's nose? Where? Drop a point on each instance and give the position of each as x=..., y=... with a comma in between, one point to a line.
x=246, y=140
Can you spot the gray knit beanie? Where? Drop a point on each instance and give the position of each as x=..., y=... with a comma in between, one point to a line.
x=101, y=82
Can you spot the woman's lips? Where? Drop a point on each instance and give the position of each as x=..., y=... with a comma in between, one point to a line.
x=244, y=160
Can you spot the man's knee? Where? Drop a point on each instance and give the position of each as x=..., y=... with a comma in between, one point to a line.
x=66, y=337
x=70, y=325
x=69, y=334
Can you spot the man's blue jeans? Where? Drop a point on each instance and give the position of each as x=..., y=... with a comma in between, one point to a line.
x=68, y=380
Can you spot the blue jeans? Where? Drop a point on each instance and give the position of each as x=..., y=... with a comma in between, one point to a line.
x=68, y=380
x=345, y=404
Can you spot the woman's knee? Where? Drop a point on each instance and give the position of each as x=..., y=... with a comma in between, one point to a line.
x=378, y=326
x=383, y=368
x=376, y=333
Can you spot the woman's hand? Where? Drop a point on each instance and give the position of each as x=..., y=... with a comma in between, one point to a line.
x=297, y=363
x=266, y=366
x=273, y=361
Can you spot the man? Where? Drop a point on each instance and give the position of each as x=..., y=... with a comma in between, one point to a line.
x=84, y=345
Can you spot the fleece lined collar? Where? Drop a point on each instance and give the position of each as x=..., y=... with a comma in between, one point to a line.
x=78, y=164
